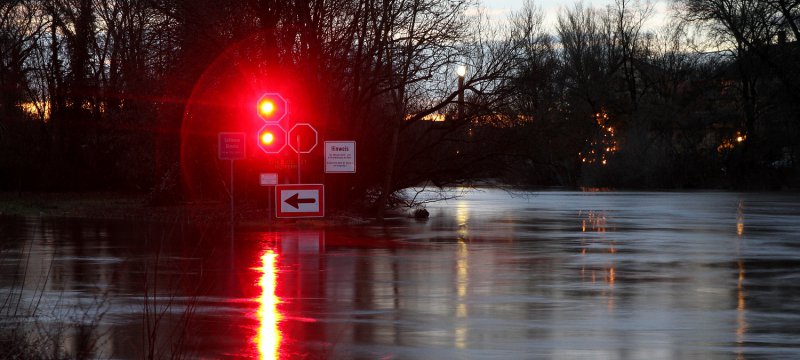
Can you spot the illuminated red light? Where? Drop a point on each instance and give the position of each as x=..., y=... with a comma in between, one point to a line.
x=272, y=107
x=267, y=138
x=266, y=107
x=271, y=138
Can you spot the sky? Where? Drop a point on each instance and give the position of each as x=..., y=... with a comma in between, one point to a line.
x=500, y=9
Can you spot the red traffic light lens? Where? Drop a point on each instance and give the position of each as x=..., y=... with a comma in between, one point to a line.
x=271, y=107
x=271, y=138
x=267, y=138
x=266, y=107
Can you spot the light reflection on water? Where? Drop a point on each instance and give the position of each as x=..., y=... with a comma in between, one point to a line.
x=741, y=309
x=268, y=338
x=547, y=275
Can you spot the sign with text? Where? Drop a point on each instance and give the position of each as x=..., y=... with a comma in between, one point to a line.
x=340, y=156
x=268, y=179
x=231, y=146
x=300, y=200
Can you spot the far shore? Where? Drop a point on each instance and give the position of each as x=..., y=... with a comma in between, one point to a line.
x=136, y=207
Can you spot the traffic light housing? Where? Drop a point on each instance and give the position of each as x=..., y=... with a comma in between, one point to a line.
x=272, y=138
x=272, y=107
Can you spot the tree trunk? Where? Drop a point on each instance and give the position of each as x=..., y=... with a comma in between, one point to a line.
x=389, y=174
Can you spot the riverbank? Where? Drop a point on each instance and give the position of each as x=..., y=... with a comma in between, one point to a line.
x=115, y=206
x=80, y=205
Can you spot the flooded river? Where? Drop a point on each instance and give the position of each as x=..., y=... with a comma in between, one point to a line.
x=491, y=275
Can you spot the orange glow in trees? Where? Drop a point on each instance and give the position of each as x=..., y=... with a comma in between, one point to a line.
x=268, y=338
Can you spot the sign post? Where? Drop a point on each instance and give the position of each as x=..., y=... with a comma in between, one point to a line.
x=302, y=139
x=231, y=147
x=268, y=179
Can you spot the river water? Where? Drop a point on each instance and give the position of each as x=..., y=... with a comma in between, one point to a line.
x=490, y=275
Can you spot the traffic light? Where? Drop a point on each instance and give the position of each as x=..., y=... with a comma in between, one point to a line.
x=272, y=107
x=272, y=138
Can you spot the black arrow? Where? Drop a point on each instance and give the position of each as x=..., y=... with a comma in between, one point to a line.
x=295, y=200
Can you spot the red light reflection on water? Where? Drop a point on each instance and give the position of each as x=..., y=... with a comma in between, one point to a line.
x=268, y=337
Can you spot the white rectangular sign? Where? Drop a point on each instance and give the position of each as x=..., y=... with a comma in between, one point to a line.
x=340, y=156
x=268, y=179
x=300, y=200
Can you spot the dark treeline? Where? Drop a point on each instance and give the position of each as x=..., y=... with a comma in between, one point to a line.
x=95, y=94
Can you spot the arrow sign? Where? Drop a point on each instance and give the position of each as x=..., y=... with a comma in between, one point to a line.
x=300, y=200
x=295, y=200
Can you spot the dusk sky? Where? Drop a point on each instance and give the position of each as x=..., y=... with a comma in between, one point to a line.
x=500, y=9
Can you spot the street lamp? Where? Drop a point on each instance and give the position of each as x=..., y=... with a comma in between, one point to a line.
x=461, y=71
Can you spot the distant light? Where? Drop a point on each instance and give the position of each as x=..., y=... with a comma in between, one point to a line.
x=461, y=71
x=739, y=138
x=436, y=117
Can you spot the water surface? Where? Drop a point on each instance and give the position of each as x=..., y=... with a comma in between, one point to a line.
x=552, y=275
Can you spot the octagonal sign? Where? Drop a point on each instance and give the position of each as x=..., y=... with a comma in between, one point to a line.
x=303, y=138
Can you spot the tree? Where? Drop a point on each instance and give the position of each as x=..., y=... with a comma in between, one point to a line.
x=746, y=28
x=20, y=145
x=547, y=156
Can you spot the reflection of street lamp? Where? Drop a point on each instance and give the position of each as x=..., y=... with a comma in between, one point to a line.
x=461, y=71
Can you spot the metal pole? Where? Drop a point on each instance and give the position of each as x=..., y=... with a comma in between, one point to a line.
x=298, y=160
x=233, y=256
x=460, y=98
x=231, y=199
